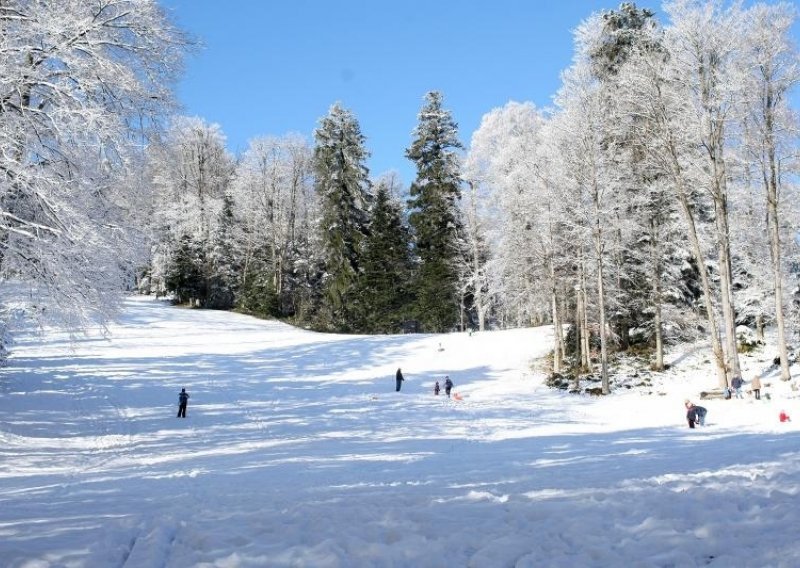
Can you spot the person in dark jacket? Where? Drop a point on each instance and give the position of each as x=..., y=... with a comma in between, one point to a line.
x=736, y=385
x=398, y=379
x=436, y=388
x=448, y=386
x=695, y=414
x=183, y=401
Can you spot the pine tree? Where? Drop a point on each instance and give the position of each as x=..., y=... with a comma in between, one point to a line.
x=387, y=266
x=435, y=217
x=223, y=278
x=344, y=188
x=184, y=276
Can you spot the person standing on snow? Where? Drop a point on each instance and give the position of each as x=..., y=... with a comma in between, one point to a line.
x=448, y=386
x=755, y=384
x=183, y=401
x=436, y=388
x=736, y=385
x=695, y=414
x=398, y=379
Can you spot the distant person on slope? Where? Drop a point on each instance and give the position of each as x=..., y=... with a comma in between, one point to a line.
x=736, y=385
x=183, y=401
x=398, y=379
x=448, y=386
x=436, y=388
x=695, y=414
x=755, y=384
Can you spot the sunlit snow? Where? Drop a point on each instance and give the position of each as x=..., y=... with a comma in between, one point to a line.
x=297, y=452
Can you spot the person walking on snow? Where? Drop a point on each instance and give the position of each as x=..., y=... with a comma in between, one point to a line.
x=695, y=414
x=436, y=388
x=398, y=378
x=755, y=384
x=183, y=401
x=448, y=386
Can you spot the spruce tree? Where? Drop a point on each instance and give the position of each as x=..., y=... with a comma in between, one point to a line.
x=342, y=183
x=387, y=266
x=435, y=217
x=222, y=283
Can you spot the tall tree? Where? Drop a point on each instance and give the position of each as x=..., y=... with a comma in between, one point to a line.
x=272, y=194
x=434, y=215
x=387, y=265
x=191, y=174
x=774, y=69
x=343, y=185
x=74, y=75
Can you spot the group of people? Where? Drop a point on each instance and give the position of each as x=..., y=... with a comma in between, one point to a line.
x=183, y=396
x=448, y=384
x=697, y=414
x=735, y=390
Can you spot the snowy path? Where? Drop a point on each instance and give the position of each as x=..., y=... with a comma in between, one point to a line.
x=298, y=452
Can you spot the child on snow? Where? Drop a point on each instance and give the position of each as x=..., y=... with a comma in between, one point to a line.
x=695, y=414
x=436, y=388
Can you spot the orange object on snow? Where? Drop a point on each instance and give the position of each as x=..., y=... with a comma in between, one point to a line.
x=784, y=417
x=457, y=396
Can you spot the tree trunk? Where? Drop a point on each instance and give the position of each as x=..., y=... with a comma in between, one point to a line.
x=557, y=353
x=774, y=229
x=676, y=172
x=601, y=304
x=716, y=344
x=657, y=299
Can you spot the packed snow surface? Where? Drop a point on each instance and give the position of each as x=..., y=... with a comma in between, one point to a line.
x=297, y=451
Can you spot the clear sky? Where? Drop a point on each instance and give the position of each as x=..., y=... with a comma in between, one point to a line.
x=270, y=67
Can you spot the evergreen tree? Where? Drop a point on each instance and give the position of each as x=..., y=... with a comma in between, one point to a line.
x=343, y=186
x=223, y=277
x=184, y=276
x=435, y=217
x=387, y=266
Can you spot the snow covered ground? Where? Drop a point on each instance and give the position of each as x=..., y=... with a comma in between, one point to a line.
x=298, y=452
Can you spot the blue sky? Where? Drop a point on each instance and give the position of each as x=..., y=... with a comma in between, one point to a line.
x=272, y=67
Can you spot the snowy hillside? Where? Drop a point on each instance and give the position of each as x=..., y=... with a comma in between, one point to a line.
x=297, y=452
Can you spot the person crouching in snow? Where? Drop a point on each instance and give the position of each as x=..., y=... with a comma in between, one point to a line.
x=695, y=414
x=436, y=388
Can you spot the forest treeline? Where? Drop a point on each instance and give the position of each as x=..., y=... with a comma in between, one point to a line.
x=654, y=202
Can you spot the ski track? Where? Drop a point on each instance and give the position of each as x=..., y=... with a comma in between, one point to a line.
x=297, y=452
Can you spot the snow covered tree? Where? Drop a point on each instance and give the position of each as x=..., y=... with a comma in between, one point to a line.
x=191, y=172
x=507, y=167
x=774, y=69
x=74, y=75
x=343, y=185
x=273, y=197
x=435, y=217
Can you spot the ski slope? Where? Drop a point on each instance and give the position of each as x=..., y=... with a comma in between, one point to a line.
x=296, y=451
